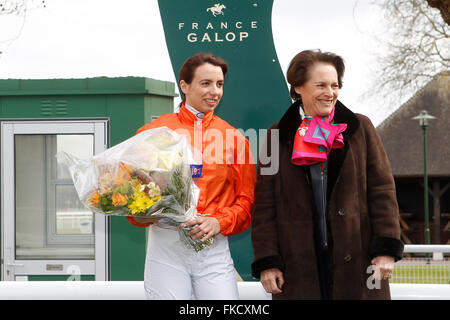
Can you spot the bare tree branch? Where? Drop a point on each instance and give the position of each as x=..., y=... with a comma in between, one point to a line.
x=443, y=6
x=416, y=47
x=19, y=7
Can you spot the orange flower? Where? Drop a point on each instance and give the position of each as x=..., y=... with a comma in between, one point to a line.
x=123, y=175
x=95, y=199
x=119, y=199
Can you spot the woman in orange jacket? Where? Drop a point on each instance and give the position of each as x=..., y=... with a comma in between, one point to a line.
x=225, y=174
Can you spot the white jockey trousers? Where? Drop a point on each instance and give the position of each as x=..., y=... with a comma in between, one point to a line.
x=174, y=271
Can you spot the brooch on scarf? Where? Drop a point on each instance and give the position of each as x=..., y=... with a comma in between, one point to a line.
x=302, y=131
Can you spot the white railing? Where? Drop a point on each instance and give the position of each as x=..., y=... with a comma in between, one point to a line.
x=134, y=290
x=248, y=290
x=99, y=290
x=427, y=248
x=407, y=291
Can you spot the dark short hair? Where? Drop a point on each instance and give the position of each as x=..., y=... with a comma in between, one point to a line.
x=191, y=64
x=297, y=73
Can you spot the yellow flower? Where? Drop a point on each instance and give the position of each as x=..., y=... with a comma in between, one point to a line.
x=141, y=202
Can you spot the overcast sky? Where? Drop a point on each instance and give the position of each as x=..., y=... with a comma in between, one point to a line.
x=90, y=38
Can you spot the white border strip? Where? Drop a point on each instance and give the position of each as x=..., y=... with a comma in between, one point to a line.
x=426, y=248
x=134, y=290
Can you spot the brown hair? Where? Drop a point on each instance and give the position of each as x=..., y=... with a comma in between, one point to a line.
x=191, y=64
x=298, y=70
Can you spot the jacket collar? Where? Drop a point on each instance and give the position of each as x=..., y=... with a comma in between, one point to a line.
x=291, y=120
x=189, y=118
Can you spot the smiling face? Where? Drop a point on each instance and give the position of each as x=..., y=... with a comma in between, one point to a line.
x=319, y=94
x=206, y=88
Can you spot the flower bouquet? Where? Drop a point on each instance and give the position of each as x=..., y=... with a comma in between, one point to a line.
x=147, y=175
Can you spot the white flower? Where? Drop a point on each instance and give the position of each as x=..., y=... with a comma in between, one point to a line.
x=168, y=160
x=154, y=190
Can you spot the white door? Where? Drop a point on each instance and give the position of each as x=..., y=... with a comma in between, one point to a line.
x=45, y=228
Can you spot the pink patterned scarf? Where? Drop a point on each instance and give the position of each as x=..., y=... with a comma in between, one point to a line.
x=315, y=138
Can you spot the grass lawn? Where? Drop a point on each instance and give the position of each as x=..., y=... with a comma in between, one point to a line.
x=421, y=273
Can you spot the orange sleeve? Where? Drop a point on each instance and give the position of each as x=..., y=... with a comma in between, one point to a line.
x=237, y=217
x=145, y=127
x=137, y=224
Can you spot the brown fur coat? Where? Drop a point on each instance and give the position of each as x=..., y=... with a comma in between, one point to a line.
x=362, y=213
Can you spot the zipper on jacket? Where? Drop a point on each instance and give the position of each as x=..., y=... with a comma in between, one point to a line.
x=324, y=225
x=198, y=135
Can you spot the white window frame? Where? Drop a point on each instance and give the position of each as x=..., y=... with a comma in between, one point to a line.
x=52, y=182
x=12, y=267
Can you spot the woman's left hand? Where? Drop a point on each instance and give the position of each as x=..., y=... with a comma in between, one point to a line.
x=207, y=227
x=384, y=267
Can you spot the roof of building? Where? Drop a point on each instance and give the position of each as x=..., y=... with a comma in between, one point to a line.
x=87, y=86
x=403, y=137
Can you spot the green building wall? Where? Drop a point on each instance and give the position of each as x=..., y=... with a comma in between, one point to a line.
x=128, y=102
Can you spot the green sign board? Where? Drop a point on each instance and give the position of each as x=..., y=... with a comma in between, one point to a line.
x=255, y=92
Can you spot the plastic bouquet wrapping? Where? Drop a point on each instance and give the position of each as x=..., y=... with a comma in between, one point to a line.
x=148, y=175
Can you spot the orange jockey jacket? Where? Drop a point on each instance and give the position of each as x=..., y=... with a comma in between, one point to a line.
x=228, y=173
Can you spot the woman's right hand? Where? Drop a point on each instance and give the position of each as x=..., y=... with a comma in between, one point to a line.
x=143, y=220
x=272, y=280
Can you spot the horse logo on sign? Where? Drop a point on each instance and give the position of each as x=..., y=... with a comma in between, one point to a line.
x=216, y=9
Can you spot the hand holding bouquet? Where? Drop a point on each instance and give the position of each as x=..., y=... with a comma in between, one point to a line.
x=147, y=175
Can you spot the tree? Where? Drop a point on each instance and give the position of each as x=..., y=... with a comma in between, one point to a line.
x=415, y=48
x=18, y=8
x=443, y=6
